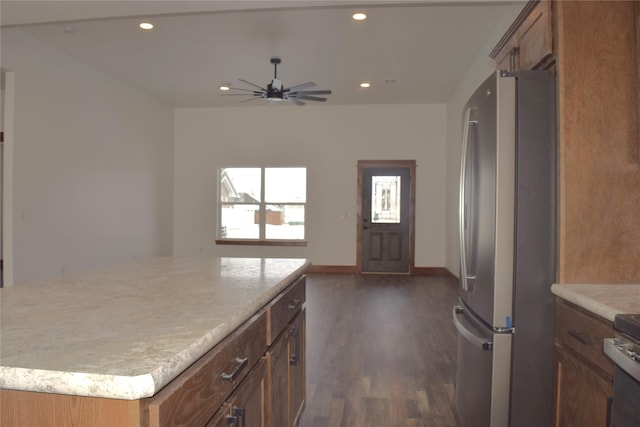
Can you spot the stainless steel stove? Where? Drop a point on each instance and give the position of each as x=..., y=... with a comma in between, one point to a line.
x=624, y=350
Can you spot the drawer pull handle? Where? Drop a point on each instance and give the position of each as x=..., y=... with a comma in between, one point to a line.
x=237, y=414
x=295, y=303
x=240, y=364
x=295, y=354
x=581, y=337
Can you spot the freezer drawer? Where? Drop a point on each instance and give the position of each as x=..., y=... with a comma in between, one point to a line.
x=482, y=376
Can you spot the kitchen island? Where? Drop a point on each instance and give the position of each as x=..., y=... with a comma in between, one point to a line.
x=123, y=334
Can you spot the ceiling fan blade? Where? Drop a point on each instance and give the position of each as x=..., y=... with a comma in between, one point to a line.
x=300, y=86
x=309, y=98
x=314, y=92
x=251, y=84
x=296, y=101
x=250, y=99
x=237, y=94
x=244, y=90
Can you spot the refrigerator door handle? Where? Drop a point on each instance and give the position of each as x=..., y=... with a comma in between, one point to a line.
x=464, y=276
x=477, y=341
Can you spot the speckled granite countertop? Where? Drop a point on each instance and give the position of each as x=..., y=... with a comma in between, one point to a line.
x=602, y=300
x=126, y=331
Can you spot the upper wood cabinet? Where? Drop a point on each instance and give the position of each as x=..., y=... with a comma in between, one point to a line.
x=528, y=44
x=598, y=168
x=592, y=49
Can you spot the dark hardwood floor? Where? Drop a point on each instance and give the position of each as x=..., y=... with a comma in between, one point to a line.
x=381, y=351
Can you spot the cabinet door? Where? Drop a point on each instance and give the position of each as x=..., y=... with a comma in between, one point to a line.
x=582, y=396
x=279, y=381
x=527, y=44
x=535, y=39
x=297, y=367
x=247, y=403
x=222, y=418
x=287, y=370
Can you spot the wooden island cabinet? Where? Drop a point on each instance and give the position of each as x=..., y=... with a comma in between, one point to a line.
x=253, y=377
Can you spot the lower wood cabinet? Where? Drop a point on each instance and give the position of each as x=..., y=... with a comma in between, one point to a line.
x=246, y=407
x=583, y=373
x=191, y=398
x=583, y=396
x=288, y=374
x=297, y=368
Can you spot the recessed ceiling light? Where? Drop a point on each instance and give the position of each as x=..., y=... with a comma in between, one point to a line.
x=365, y=84
x=146, y=25
x=224, y=86
x=359, y=16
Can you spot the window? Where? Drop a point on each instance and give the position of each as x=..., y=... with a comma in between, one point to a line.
x=262, y=205
x=385, y=200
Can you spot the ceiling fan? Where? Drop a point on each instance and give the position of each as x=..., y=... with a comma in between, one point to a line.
x=275, y=91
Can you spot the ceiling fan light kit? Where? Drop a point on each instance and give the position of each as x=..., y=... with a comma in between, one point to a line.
x=275, y=92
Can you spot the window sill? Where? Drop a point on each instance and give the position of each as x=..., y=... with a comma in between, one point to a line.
x=255, y=242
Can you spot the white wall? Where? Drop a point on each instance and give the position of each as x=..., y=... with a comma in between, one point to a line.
x=481, y=68
x=328, y=140
x=92, y=165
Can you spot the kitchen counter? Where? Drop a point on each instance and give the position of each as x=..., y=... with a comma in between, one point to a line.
x=602, y=300
x=124, y=332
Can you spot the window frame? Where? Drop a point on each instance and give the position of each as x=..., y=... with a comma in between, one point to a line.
x=262, y=239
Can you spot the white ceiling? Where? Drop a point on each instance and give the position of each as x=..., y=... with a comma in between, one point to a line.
x=424, y=47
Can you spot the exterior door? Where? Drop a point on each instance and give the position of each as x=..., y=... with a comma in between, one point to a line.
x=386, y=216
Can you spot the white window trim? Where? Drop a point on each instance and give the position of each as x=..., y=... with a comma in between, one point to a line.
x=261, y=240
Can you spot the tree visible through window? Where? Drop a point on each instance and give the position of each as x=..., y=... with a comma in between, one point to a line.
x=262, y=203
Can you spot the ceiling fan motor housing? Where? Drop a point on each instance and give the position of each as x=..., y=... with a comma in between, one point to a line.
x=274, y=90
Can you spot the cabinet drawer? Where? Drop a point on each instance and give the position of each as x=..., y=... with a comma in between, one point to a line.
x=584, y=333
x=282, y=309
x=196, y=394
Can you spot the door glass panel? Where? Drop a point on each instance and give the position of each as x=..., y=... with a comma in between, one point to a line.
x=385, y=200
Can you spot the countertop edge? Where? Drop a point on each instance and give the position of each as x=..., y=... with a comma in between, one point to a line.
x=174, y=367
x=89, y=385
x=601, y=300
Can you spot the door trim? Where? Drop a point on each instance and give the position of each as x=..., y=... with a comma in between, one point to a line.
x=411, y=164
x=7, y=178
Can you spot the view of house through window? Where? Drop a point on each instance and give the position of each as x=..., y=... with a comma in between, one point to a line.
x=262, y=203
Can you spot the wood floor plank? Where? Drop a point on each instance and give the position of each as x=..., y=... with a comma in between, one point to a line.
x=381, y=351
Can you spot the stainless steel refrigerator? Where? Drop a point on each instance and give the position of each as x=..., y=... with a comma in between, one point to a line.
x=505, y=309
